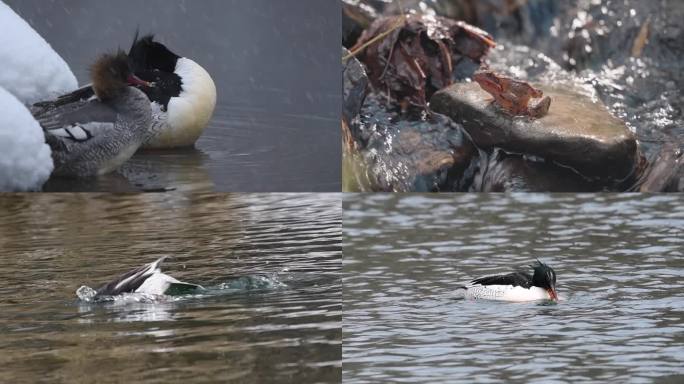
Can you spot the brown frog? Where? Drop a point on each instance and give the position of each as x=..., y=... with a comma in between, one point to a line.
x=513, y=96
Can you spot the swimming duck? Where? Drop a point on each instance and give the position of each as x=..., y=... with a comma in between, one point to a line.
x=183, y=97
x=517, y=286
x=147, y=279
x=94, y=130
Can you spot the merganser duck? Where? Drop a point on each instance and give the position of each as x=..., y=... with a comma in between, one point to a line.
x=517, y=286
x=31, y=69
x=94, y=130
x=147, y=279
x=25, y=159
x=183, y=98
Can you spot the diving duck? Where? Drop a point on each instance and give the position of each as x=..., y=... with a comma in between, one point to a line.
x=147, y=279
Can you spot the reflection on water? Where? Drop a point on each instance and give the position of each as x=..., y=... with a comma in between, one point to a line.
x=276, y=123
x=270, y=264
x=149, y=171
x=620, y=267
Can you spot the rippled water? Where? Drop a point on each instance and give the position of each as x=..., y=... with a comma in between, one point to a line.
x=270, y=263
x=620, y=266
x=276, y=123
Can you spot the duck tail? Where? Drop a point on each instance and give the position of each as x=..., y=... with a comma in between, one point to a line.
x=459, y=293
x=155, y=265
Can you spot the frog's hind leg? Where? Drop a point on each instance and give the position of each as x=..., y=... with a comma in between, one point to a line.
x=540, y=108
x=512, y=104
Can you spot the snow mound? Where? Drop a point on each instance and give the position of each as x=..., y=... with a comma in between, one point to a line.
x=25, y=158
x=31, y=70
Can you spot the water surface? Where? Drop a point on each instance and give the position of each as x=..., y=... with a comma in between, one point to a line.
x=620, y=267
x=276, y=123
x=270, y=263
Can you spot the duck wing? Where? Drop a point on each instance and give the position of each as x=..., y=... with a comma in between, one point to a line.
x=75, y=113
x=82, y=94
x=516, y=279
x=76, y=121
x=131, y=280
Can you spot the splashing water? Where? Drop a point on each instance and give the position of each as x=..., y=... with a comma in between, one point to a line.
x=241, y=284
x=253, y=283
x=85, y=293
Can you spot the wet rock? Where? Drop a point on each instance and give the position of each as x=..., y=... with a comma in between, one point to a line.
x=355, y=86
x=503, y=172
x=414, y=164
x=664, y=173
x=577, y=132
x=398, y=153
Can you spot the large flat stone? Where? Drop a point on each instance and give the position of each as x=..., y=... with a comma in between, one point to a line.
x=578, y=132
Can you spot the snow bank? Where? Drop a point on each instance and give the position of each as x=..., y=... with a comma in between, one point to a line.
x=25, y=159
x=30, y=68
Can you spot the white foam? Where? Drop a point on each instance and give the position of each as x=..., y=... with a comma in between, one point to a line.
x=85, y=293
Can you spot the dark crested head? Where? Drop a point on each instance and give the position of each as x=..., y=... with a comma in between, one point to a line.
x=153, y=62
x=147, y=54
x=544, y=277
x=111, y=74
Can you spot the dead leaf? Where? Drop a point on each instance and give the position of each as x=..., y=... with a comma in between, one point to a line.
x=415, y=59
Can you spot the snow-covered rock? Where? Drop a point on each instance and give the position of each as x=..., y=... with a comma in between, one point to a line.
x=25, y=158
x=29, y=68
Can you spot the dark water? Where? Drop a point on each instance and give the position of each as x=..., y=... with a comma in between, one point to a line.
x=276, y=123
x=271, y=264
x=620, y=266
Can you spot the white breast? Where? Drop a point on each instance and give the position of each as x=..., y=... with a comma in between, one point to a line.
x=117, y=161
x=505, y=293
x=188, y=114
x=157, y=284
x=25, y=158
x=31, y=70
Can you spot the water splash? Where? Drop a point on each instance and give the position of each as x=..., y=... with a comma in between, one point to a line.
x=253, y=283
x=238, y=285
x=85, y=293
